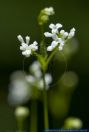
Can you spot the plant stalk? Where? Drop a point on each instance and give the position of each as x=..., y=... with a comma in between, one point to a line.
x=46, y=122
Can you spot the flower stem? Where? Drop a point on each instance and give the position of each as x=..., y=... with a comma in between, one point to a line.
x=33, y=122
x=42, y=43
x=21, y=125
x=46, y=122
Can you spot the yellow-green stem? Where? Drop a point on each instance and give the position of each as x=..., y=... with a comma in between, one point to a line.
x=46, y=121
x=33, y=122
x=21, y=125
x=42, y=43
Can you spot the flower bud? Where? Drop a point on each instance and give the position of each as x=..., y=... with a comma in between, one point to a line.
x=73, y=123
x=21, y=112
x=44, y=15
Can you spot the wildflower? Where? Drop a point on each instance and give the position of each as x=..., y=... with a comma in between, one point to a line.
x=54, y=30
x=25, y=47
x=59, y=38
x=44, y=15
x=19, y=90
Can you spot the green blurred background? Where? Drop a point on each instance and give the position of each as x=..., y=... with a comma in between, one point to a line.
x=20, y=17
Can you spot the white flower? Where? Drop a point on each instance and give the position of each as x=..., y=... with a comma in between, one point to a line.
x=48, y=80
x=19, y=90
x=59, y=38
x=49, y=11
x=54, y=30
x=25, y=47
x=72, y=33
x=36, y=78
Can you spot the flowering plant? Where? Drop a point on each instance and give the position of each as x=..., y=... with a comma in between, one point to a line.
x=37, y=83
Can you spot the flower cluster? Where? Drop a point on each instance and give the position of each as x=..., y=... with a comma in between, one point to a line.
x=25, y=47
x=59, y=38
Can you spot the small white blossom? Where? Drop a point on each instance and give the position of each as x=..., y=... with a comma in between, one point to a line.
x=25, y=47
x=54, y=31
x=49, y=11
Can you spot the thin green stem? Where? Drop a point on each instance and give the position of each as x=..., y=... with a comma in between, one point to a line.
x=21, y=125
x=33, y=122
x=42, y=43
x=46, y=122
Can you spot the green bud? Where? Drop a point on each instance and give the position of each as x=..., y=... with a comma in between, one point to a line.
x=73, y=123
x=44, y=15
x=21, y=112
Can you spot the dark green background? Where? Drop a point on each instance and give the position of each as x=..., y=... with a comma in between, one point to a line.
x=20, y=17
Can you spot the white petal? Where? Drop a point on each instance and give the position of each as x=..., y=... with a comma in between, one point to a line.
x=60, y=41
x=65, y=35
x=51, y=26
x=72, y=33
x=27, y=39
x=47, y=34
x=23, y=46
x=33, y=47
x=54, y=36
x=20, y=38
x=72, y=30
x=35, y=43
x=49, y=48
x=62, y=32
x=58, y=25
x=55, y=30
x=54, y=44
x=26, y=53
